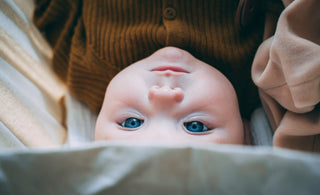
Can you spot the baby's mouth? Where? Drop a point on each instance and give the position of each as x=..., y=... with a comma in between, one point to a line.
x=172, y=68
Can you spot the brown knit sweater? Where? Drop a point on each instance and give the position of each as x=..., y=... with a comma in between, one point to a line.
x=95, y=39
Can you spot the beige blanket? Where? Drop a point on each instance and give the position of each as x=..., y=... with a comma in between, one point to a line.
x=31, y=99
x=286, y=69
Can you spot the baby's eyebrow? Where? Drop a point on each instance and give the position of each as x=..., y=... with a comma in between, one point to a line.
x=198, y=106
x=139, y=105
x=187, y=110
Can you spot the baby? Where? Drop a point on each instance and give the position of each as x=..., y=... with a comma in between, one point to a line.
x=170, y=96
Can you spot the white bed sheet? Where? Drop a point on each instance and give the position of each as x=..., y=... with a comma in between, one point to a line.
x=128, y=168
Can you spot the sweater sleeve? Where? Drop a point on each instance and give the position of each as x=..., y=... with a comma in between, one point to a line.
x=286, y=69
x=56, y=19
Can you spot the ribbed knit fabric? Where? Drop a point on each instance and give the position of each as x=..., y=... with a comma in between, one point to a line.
x=95, y=39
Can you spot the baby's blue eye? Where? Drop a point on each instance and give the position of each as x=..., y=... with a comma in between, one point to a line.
x=132, y=123
x=195, y=126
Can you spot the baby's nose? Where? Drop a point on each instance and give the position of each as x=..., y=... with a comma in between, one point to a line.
x=165, y=96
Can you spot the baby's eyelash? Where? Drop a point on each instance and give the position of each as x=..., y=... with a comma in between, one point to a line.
x=131, y=123
x=196, y=127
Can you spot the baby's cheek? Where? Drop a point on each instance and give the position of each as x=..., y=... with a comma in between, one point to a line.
x=104, y=131
x=98, y=135
x=224, y=137
x=220, y=139
x=235, y=137
x=107, y=135
x=217, y=137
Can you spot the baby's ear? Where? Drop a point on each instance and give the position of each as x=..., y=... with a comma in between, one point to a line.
x=246, y=132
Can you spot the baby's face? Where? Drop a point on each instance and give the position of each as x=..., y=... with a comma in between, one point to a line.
x=170, y=96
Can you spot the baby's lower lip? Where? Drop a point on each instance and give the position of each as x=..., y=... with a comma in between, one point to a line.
x=172, y=68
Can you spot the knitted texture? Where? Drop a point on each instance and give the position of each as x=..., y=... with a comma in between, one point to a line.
x=95, y=39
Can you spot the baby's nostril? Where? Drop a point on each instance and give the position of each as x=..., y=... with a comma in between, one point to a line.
x=166, y=94
x=178, y=94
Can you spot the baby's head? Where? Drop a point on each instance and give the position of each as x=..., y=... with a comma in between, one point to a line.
x=170, y=96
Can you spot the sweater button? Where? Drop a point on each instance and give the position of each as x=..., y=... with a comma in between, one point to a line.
x=247, y=12
x=169, y=13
